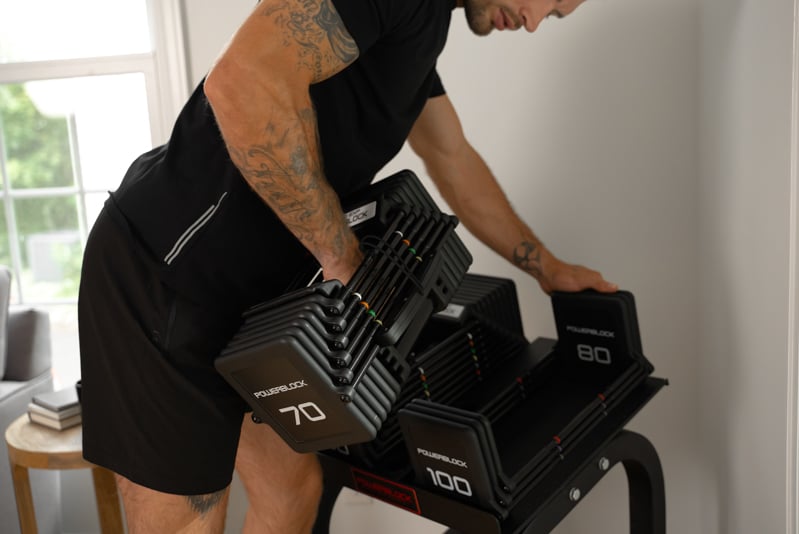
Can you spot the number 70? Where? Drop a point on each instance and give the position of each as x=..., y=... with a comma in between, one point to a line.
x=315, y=415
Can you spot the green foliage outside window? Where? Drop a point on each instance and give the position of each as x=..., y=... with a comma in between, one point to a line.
x=36, y=147
x=37, y=154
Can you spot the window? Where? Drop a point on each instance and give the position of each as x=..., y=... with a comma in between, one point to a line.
x=85, y=87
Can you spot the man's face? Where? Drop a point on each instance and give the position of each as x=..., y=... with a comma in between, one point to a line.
x=484, y=16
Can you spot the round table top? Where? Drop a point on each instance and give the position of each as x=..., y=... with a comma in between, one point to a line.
x=37, y=446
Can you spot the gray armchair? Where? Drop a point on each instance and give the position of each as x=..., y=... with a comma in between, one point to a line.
x=25, y=362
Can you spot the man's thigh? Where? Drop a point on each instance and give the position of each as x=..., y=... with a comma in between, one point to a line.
x=150, y=511
x=154, y=408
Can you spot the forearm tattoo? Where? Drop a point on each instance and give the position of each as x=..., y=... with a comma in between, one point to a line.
x=293, y=188
x=285, y=167
x=202, y=504
x=309, y=24
x=527, y=256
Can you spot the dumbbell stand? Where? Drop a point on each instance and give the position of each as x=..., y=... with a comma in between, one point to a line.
x=540, y=510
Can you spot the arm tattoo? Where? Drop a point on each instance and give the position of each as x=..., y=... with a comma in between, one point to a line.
x=202, y=504
x=340, y=40
x=293, y=189
x=284, y=165
x=527, y=256
x=309, y=25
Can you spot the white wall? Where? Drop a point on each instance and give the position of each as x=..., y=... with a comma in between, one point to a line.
x=649, y=139
x=592, y=126
x=209, y=26
x=745, y=222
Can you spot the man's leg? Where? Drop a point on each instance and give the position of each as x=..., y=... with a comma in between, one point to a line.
x=283, y=487
x=149, y=511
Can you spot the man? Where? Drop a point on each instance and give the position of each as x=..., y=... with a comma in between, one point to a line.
x=308, y=101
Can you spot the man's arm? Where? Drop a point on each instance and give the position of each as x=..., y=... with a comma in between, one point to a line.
x=258, y=90
x=471, y=190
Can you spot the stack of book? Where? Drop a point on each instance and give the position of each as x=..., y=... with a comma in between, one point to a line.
x=55, y=409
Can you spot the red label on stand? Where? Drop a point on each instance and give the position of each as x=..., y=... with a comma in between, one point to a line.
x=386, y=490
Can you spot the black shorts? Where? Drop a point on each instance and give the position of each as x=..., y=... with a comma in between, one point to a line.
x=154, y=408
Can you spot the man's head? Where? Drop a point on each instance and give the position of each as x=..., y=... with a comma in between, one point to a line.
x=486, y=15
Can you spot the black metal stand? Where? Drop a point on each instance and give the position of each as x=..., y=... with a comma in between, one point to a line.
x=542, y=508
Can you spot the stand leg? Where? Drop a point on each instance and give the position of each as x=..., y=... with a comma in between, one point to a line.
x=325, y=511
x=647, y=498
x=646, y=486
x=105, y=492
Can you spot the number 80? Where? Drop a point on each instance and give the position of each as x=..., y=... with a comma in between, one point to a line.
x=588, y=353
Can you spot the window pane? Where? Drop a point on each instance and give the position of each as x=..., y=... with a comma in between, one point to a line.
x=112, y=125
x=64, y=336
x=55, y=29
x=5, y=251
x=104, y=119
x=37, y=152
x=50, y=246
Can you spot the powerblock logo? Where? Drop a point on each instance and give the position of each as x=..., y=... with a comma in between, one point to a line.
x=442, y=457
x=279, y=389
x=590, y=331
x=362, y=214
x=386, y=490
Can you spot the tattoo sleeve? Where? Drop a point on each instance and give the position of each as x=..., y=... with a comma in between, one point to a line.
x=294, y=189
x=315, y=27
x=340, y=41
x=271, y=131
x=527, y=256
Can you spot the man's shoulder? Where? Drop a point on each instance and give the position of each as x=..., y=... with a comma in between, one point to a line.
x=369, y=20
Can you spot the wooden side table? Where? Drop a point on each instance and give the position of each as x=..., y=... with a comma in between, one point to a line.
x=38, y=447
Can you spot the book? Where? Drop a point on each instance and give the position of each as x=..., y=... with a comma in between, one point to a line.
x=57, y=424
x=61, y=414
x=59, y=400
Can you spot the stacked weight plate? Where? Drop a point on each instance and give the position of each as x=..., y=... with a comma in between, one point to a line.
x=460, y=348
x=323, y=364
x=492, y=446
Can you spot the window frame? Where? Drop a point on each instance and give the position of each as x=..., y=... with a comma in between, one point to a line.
x=165, y=71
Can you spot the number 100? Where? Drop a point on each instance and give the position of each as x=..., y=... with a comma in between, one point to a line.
x=450, y=482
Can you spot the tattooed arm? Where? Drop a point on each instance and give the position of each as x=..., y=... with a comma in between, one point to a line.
x=471, y=190
x=258, y=90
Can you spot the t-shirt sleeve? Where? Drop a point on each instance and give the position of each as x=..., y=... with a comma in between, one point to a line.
x=365, y=20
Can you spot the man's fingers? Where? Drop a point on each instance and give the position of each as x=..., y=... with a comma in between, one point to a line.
x=607, y=287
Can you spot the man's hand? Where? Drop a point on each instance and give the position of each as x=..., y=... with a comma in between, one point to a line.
x=556, y=275
x=343, y=267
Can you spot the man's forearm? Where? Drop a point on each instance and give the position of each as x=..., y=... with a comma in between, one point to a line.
x=483, y=208
x=285, y=170
x=474, y=195
x=472, y=192
x=258, y=91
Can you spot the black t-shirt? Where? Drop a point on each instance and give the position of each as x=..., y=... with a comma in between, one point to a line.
x=215, y=239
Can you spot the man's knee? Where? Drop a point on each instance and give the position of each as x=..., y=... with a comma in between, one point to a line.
x=297, y=476
x=270, y=468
